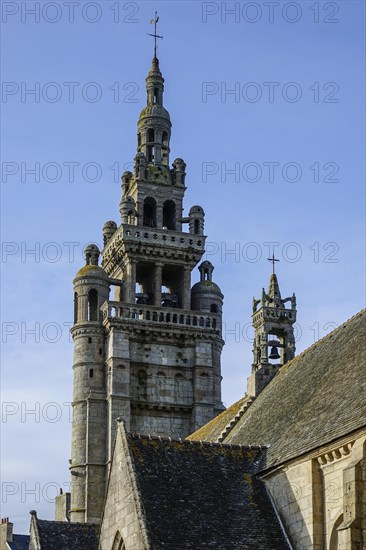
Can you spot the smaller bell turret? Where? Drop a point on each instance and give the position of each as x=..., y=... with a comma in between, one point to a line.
x=274, y=335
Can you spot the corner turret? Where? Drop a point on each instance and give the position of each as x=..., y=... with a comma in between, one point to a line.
x=206, y=295
x=88, y=452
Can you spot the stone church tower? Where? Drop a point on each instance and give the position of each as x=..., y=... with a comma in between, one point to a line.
x=152, y=354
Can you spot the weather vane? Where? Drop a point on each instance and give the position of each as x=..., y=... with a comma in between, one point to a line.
x=155, y=22
x=273, y=260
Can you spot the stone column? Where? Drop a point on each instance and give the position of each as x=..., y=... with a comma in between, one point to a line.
x=159, y=216
x=158, y=274
x=131, y=284
x=157, y=148
x=264, y=347
x=186, y=288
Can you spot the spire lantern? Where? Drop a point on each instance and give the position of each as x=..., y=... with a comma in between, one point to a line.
x=154, y=126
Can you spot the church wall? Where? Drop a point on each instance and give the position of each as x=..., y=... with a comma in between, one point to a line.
x=291, y=490
x=322, y=499
x=160, y=423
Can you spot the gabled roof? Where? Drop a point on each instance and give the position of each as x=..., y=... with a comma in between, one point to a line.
x=20, y=542
x=62, y=535
x=316, y=398
x=201, y=495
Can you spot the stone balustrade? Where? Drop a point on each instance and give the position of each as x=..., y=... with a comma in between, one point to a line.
x=134, y=233
x=274, y=313
x=147, y=313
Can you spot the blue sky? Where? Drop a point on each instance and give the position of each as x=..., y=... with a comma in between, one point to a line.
x=292, y=130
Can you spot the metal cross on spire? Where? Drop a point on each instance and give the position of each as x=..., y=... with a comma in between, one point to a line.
x=155, y=22
x=273, y=260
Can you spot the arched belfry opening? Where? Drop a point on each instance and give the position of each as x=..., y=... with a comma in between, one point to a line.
x=169, y=215
x=93, y=305
x=149, y=219
x=150, y=145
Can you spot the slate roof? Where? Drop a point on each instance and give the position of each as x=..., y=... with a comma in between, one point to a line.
x=61, y=535
x=20, y=542
x=199, y=495
x=314, y=399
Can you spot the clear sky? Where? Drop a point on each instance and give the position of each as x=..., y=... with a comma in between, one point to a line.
x=267, y=105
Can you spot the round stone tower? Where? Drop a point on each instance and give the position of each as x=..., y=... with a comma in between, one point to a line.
x=88, y=460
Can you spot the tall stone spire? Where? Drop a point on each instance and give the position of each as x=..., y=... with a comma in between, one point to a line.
x=151, y=355
x=274, y=335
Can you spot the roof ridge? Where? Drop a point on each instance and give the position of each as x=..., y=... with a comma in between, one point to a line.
x=68, y=522
x=235, y=419
x=325, y=337
x=200, y=442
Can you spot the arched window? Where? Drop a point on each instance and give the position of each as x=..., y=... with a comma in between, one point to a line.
x=149, y=212
x=139, y=139
x=118, y=543
x=334, y=536
x=75, y=307
x=92, y=305
x=214, y=308
x=150, y=152
x=196, y=227
x=169, y=214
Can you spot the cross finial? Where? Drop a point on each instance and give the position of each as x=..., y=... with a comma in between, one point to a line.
x=273, y=260
x=155, y=35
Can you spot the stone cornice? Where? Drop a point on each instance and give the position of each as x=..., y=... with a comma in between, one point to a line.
x=87, y=328
x=336, y=454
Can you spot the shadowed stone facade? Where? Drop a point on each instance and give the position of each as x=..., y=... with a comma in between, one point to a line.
x=151, y=352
